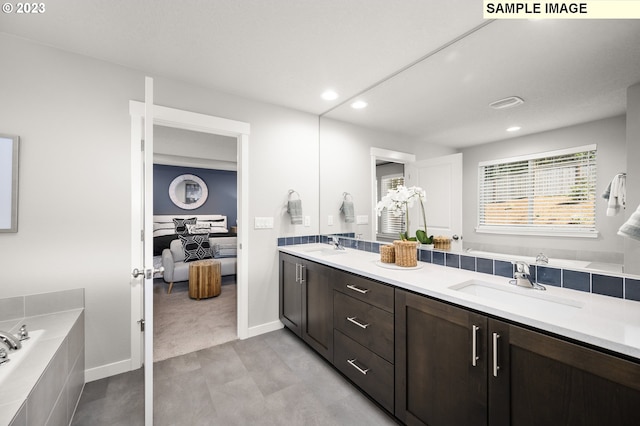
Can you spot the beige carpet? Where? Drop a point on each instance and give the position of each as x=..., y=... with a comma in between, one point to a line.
x=183, y=325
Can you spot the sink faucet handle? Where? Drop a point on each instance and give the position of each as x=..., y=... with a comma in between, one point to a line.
x=522, y=268
x=4, y=357
x=23, y=334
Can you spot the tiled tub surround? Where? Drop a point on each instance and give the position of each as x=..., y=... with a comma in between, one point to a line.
x=44, y=388
x=618, y=285
x=610, y=323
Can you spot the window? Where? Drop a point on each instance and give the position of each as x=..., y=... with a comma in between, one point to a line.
x=551, y=193
x=390, y=224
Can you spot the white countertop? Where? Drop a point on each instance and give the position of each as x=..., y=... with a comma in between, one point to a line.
x=603, y=321
x=20, y=382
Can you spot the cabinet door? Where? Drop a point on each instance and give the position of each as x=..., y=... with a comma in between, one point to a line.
x=290, y=293
x=317, y=308
x=440, y=374
x=542, y=380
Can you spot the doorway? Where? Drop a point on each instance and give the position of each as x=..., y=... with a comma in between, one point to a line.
x=180, y=119
x=183, y=324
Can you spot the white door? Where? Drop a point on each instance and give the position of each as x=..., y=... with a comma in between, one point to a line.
x=142, y=249
x=441, y=178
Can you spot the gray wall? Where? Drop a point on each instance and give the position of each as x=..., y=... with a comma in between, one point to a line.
x=221, y=184
x=72, y=114
x=608, y=134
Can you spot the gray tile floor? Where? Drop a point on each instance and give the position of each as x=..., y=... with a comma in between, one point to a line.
x=272, y=379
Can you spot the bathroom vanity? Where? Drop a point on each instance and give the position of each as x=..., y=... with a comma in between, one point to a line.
x=439, y=346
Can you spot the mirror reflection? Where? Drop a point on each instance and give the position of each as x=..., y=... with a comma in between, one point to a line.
x=574, y=78
x=188, y=192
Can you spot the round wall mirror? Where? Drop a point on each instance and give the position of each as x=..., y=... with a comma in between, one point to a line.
x=188, y=192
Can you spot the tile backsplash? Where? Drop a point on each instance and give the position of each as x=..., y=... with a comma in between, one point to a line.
x=603, y=283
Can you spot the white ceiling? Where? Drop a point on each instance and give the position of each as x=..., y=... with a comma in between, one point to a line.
x=286, y=52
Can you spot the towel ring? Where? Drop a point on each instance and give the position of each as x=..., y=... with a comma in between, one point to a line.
x=346, y=195
x=292, y=192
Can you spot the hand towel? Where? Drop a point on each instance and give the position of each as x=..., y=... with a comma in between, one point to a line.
x=294, y=208
x=607, y=192
x=617, y=196
x=631, y=228
x=348, y=210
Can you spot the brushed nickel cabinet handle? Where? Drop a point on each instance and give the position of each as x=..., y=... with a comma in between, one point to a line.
x=352, y=362
x=496, y=367
x=474, y=345
x=358, y=289
x=302, y=280
x=358, y=323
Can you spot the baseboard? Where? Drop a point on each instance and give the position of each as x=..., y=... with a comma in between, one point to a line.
x=264, y=328
x=107, y=370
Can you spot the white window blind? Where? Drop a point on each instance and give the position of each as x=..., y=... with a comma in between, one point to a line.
x=551, y=193
x=389, y=223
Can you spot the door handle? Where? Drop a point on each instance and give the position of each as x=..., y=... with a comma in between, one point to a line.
x=474, y=345
x=496, y=367
x=147, y=273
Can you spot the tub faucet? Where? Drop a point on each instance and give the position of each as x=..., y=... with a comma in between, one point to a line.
x=522, y=277
x=10, y=340
x=542, y=259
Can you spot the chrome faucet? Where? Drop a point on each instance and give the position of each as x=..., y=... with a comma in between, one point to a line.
x=522, y=277
x=542, y=259
x=336, y=243
x=10, y=340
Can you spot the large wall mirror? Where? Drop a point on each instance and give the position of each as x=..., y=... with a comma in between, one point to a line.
x=573, y=76
x=9, y=148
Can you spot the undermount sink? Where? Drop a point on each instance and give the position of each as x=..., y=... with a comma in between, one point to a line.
x=519, y=298
x=325, y=251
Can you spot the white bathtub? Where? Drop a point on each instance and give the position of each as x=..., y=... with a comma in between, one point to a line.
x=553, y=262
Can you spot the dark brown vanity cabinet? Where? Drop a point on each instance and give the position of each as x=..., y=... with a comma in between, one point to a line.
x=441, y=366
x=363, y=323
x=457, y=367
x=306, y=302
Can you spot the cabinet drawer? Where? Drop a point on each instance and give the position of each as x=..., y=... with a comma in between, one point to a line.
x=369, y=291
x=366, y=324
x=370, y=372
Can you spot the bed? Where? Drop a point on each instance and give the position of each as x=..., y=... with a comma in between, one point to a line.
x=164, y=228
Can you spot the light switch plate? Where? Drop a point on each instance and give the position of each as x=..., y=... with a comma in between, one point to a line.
x=330, y=220
x=362, y=219
x=263, y=222
x=307, y=221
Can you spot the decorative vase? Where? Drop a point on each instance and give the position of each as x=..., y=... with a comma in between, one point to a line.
x=406, y=253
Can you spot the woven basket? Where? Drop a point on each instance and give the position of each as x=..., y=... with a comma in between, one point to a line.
x=406, y=253
x=387, y=254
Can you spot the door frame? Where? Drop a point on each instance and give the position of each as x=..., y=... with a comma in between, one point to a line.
x=187, y=120
x=387, y=155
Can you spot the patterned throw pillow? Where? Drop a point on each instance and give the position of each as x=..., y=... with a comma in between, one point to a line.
x=196, y=247
x=181, y=224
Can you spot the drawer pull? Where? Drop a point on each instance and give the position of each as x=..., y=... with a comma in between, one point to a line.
x=358, y=323
x=352, y=362
x=358, y=289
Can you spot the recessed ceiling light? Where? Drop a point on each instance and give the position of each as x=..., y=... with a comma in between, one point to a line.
x=513, y=129
x=509, y=102
x=359, y=105
x=329, y=95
